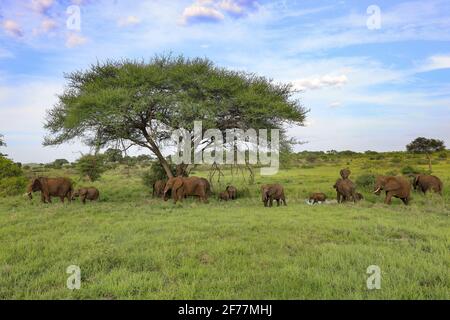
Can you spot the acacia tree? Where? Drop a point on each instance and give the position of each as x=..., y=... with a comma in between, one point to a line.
x=426, y=146
x=2, y=144
x=125, y=103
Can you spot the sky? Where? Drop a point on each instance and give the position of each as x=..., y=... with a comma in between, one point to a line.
x=374, y=74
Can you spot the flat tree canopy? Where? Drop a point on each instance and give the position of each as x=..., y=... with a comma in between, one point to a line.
x=139, y=103
x=426, y=146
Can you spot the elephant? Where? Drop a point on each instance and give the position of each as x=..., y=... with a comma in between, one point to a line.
x=51, y=187
x=345, y=173
x=270, y=192
x=317, y=197
x=90, y=193
x=397, y=187
x=208, y=186
x=232, y=192
x=425, y=183
x=359, y=196
x=345, y=190
x=158, y=188
x=186, y=186
x=225, y=196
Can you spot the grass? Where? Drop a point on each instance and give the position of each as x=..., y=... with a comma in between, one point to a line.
x=130, y=246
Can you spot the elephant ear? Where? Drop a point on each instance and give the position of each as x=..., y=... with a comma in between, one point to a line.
x=44, y=184
x=392, y=184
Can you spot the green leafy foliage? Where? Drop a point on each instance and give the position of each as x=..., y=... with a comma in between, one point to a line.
x=366, y=181
x=91, y=166
x=410, y=170
x=140, y=103
x=156, y=172
x=12, y=181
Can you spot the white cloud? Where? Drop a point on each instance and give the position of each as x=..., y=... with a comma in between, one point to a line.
x=74, y=40
x=320, y=82
x=199, y=12
x=12, y=28
x=231, y=6
x=436, y=62
x=41, y=5
x=128, y=21
x=335, y=104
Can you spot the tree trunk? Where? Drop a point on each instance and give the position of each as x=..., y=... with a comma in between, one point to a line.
x=429, y=162
x=154, y=148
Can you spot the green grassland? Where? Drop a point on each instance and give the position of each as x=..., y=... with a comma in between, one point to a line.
x=131, y=246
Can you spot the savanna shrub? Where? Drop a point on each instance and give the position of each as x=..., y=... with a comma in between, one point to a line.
x=155, y=173
x=392, y=173
x=366, y=181
x=443, y=155
x=91, y=166
x=12, y=181
x=410, y=170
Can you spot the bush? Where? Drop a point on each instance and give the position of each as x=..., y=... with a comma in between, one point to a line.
x=396, y=160
x=443, y=155
x=366, y=181
x=155, y=173
x=12, y=181
x=13, y=186
x=410, y=170
x=91, y=166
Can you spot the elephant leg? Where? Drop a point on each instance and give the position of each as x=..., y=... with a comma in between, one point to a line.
x=388, y=199
x=62, y=198
x=49, y=199
x=284, y=201
x=43, y=198
x=270, y=201
x=278, y=202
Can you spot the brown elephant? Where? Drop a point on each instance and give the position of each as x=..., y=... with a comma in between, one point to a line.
x=270, y=192
x=317, y=197
x=425, y=182
x=345, y=173
x=84, y=194
x=158, y=188
x=51, y=187
x=232, y=192
x=190, y=186
x=345, y=190
x=359, y=196
x=397, y=187
x=224, y=196
x=208, y=186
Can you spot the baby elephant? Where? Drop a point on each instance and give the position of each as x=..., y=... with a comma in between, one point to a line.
x=232, y=192
x=224, y=196
x=270, y=192
x=90, y=193
x=317, y=197
x=358, y=196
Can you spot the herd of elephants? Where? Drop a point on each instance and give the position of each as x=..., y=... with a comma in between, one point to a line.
x=180, y=187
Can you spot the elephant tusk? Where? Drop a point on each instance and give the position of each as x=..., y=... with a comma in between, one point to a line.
x=377, y=190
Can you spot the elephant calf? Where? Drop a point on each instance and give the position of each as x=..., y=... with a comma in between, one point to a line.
x=224, y=196
x=84, y=194
x=158, y=188
x=317, y=197
x=232, y=192
x=270, y=192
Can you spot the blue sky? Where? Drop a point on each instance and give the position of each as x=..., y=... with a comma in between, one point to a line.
x=371, y=84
